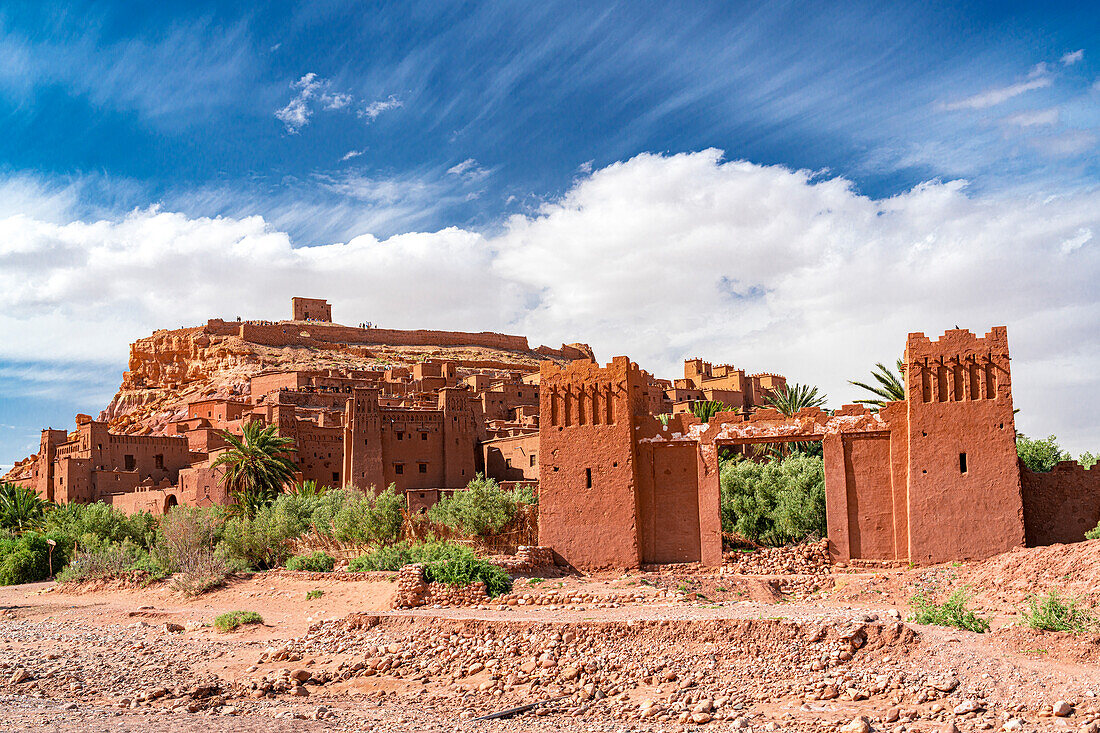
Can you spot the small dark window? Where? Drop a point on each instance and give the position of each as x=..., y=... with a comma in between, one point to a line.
x=159, y=461
x=508, y=462
x=400, y=436
x=422, y=467
x=335, y=476
x=128, y=462
x=532, y=459
x=399, y=468
x=588, y=478
x=962, y=463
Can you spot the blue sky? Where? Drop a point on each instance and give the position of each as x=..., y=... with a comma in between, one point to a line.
x=342, y=120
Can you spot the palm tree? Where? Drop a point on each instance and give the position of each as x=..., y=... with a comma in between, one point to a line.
x=21, y=508
x=257, y=466
x=706, y=409
x=309, y=489
x=793, y=397
x=890, y=387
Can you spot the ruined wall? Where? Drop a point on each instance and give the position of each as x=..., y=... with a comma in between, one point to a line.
x=679, y=518
x=964, y=483
x=1061, y=505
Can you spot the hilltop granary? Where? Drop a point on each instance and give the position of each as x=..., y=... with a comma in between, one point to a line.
x=934, y=477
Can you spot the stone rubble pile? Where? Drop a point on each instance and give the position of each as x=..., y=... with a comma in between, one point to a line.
x=528, y=559
x=629, y=671
x=413, y=591
x=810, y=558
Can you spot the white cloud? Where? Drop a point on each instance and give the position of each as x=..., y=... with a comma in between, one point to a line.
x=377, y=107
x=658, y=257
x=351, y=154
x=468, y=170
x=335, y=100
x=311, y=89
x=1038, y=79
x=1035, y=117
x=1071, y=58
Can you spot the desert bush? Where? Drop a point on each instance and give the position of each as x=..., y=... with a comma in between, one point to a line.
x=483, y=508
x=26, y=558
x=466, y=570
x=1053, y=613
x=775, y=502
x=318, y=562
x=1093, y=534
x=111, y=561
x=186, y=546
x=1038, y=454
x=397, y=555
x=95, y=525
x=952, y=612
x=236, y=619
x=314, y=594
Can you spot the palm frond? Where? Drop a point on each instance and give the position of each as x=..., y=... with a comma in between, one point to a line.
x=890, y=387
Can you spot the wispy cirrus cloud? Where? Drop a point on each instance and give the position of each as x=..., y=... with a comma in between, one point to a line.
x=1039, y=78
x=1035, y=117
x=468, y=170
x=1072, y=57
x=174, y=75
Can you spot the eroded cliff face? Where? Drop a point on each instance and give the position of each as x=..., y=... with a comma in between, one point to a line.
x=172, y=368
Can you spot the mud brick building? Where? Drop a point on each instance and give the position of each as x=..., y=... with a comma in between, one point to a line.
x=932, y=478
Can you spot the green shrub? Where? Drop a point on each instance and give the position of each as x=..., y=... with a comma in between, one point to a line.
x=1039, y=455
x=775, y=502
x=1051, y=613
x=235, y=619
x=367, y=518
x=952, y=612
x=99, y=524
x=1093, y=534
x=466, y=570
x=26, y=558
x=318, y=562
x=483, y=508
x=387, y=557
x=397, y=555
x=111, y=561
x=1088, y=459
x=314, y=594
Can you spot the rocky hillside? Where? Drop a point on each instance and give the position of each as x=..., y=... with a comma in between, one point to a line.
x=169, y=369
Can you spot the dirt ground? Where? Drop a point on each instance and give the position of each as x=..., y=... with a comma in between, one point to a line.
x=679, y=648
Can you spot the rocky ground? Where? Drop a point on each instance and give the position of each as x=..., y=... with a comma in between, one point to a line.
x=669, y=649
